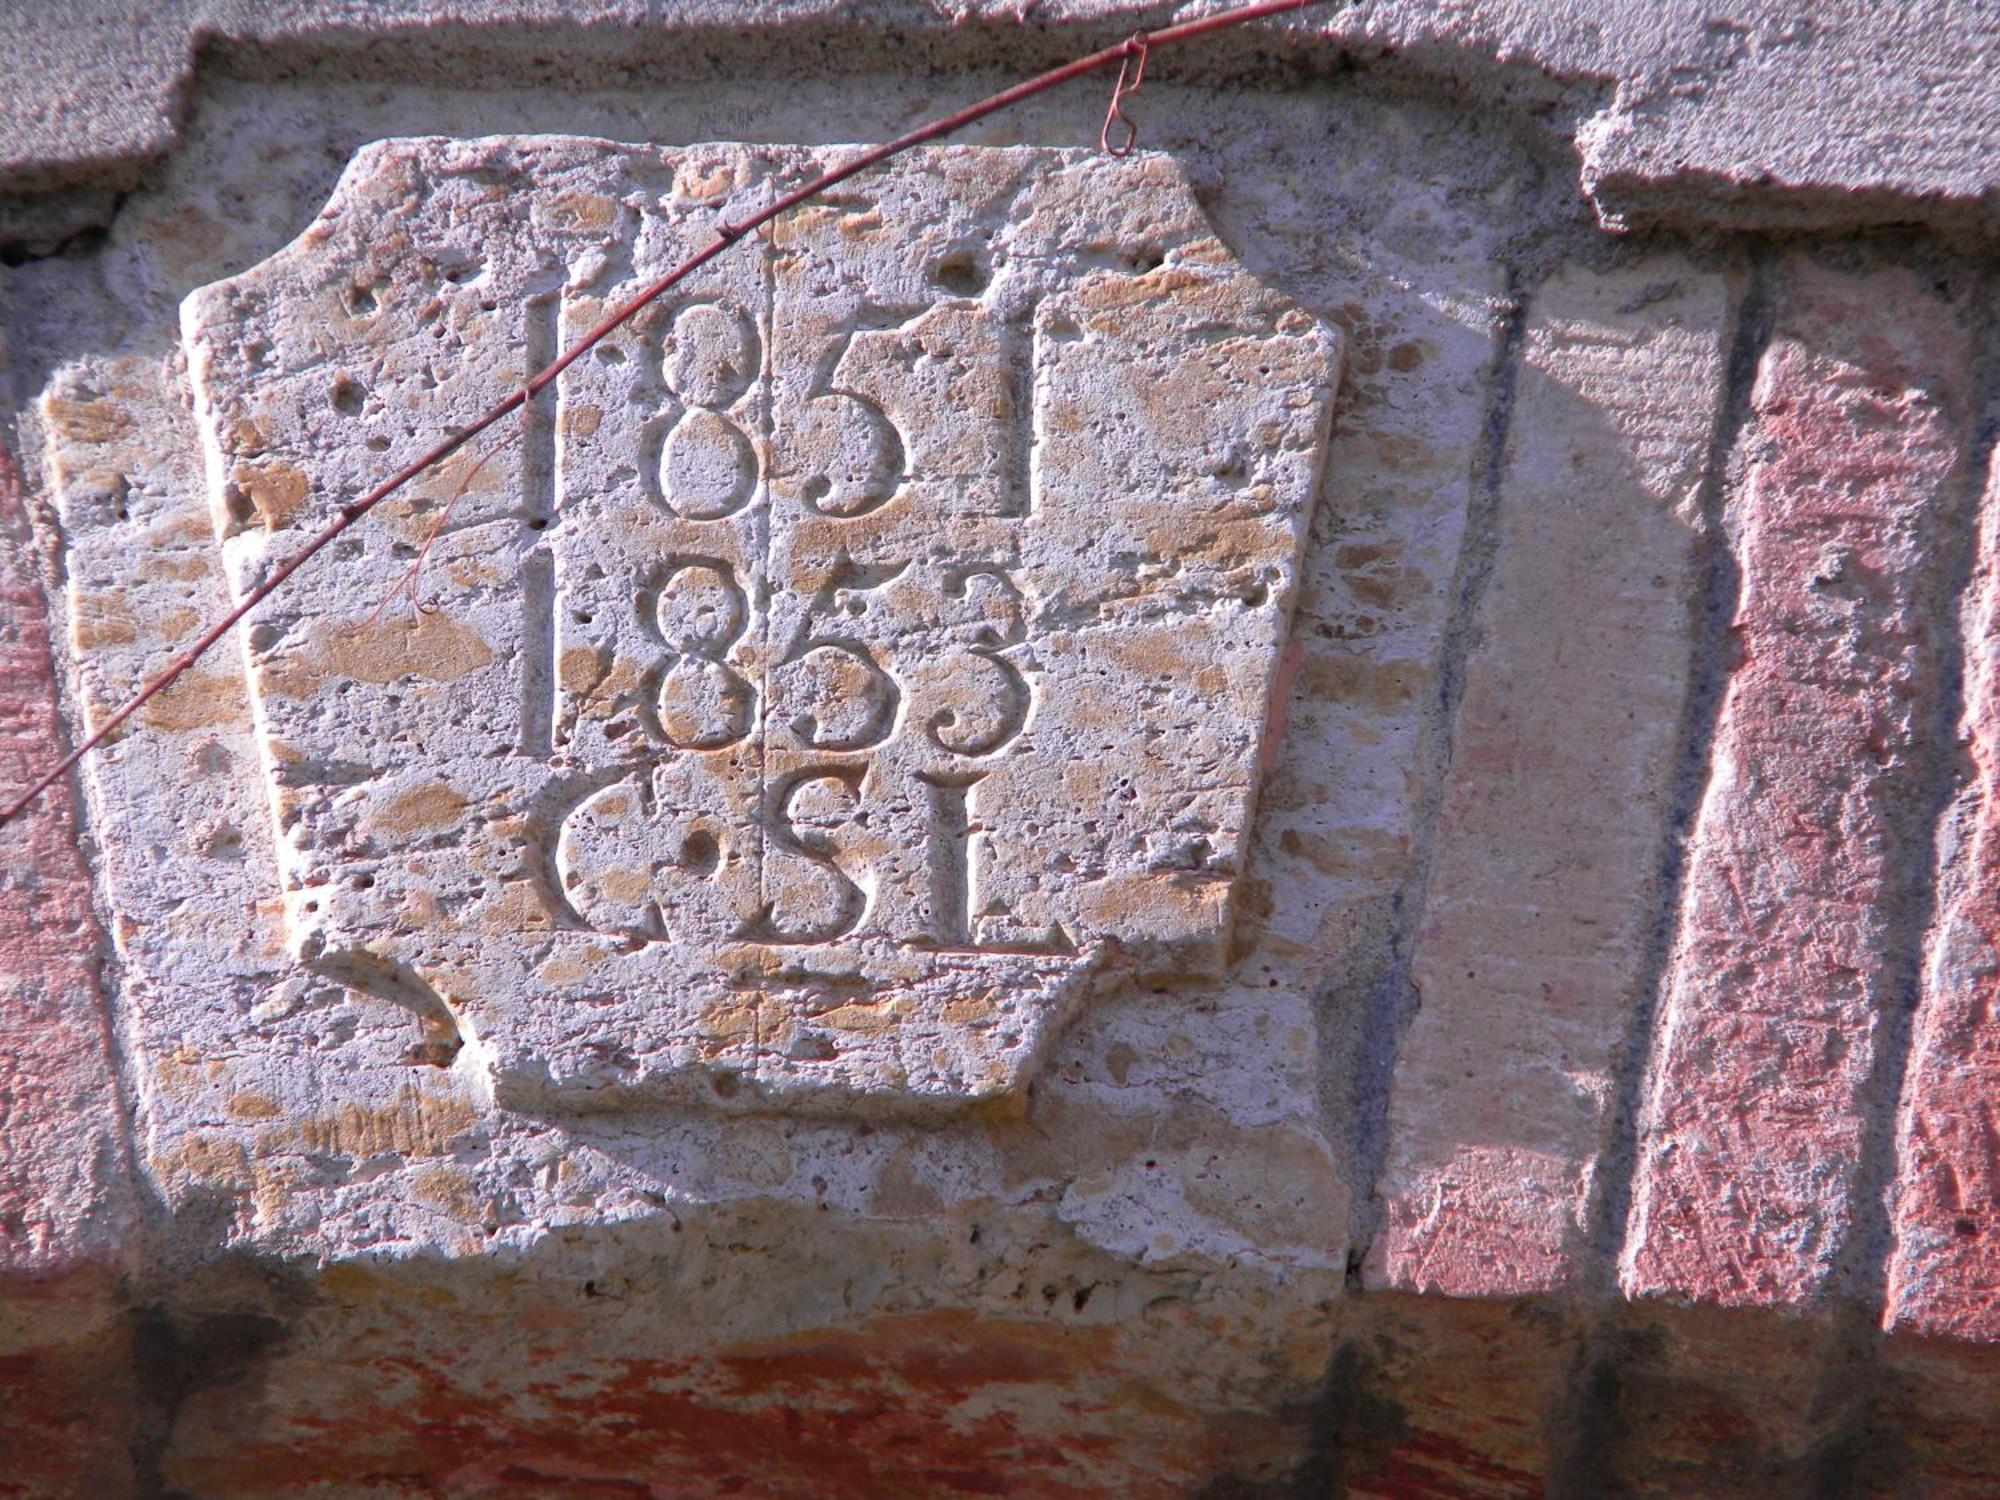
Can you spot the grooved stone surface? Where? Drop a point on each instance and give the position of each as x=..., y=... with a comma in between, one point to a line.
x=1810, y=830
x=1944, y=1277
x=1550, y=837
x=865, y=649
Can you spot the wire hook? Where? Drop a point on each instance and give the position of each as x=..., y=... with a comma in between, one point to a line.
x=1129, y=79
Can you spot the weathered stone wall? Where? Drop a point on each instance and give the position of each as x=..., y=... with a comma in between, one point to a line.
x=1472, y=563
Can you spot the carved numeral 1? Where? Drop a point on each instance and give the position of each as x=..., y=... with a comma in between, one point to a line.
x=539, y=460
x=1019, y=347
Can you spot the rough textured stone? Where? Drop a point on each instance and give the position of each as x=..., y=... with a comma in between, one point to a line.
x=1944, y=1278
x=285, y=1115
x=1811, y=830
x=575, y=1370
x=1731, y=1402
x=62, y=1180
x=1760, y=111
x=866, y=651
x=1939, y=1413
x=1441, y=1396
x=65, y=1206
x=1155, y=1269
x=1550, y=838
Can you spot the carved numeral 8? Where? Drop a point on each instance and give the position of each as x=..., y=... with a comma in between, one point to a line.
x=708, y=465
x=698, y=612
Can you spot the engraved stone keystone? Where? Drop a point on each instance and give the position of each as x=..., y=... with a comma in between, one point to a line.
x=864, y=652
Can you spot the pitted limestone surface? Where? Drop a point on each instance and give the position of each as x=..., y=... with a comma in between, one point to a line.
x=867, y=649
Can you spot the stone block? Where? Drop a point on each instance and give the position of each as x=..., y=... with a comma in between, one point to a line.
x=1944, y=1274
x=1757, y=115
x=1733, y=1402
x=1934, y=1421
x=1443, y=1396
x=863, y=652
x=1165, y=1193
x=1813, y=826
x=1532, y=954
x=980, y=1356
x=864, y=922
x=65, y=1191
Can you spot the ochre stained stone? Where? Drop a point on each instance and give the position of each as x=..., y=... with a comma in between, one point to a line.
x=853, y=659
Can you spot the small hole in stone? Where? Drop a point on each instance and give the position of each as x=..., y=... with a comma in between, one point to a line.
x=960, y=275
x=347, y=396
x=725, y=1085
x=361, y=301
x=610, y=354
x=699, y=852
x=538, y=523
x=225, y=843
x=818, y=488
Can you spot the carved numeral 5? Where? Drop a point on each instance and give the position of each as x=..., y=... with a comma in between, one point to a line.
x=852, y=453
x=844, y=698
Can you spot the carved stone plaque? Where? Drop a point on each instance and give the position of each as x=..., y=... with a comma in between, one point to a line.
x=852, y=660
